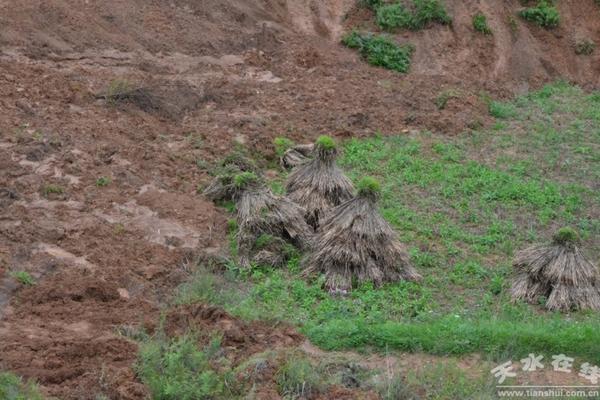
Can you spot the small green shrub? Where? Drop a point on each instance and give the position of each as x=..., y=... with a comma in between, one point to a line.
x=381, y=51
x=23, y=277
x=422, y=13
x=178, y=370
x=501, y=110
x=298, y=378
x=545, y=14
x=243, y=179
x=52, y=189
x=103, y=181
x=12, y=387
x=281, y=145
x=480, y=24
x=584, y=47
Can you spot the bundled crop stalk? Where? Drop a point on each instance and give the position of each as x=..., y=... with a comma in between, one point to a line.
x=296, y=155
x=260, y=212
x=558, y=272
x=319, y=184
x=355, y=242
x=222, y=187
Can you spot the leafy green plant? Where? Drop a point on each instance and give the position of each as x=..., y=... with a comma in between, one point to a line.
x=103, y=181
x=178, y=370
x=298, y=378
x=381, y=51
x=545, y=14
x=52, y=189
x=281, y=145
x=12, y=387
x=480, y=24
x=23, y=277
x=422, y=12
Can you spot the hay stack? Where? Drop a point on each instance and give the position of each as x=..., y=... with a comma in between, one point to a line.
x=559, y=272
x=296, y=155
x=222, y=186
x=260, y=213
x=319, y=185
x=355, y=242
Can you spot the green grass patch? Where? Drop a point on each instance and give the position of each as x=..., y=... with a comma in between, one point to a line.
x=480, y=24
x=463, y=205
x=23, y=277
x=178, y=370
x=544, y=14
x=13, y=387
x=414, y=17
x=381, y=51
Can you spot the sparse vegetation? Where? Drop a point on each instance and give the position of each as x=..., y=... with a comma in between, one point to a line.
x=463, y=217
x=584, y=47
x=23, y=277
x=480, y=24
x=282, y=144
x=381, y=51
x=298, y=378
x=13, y=387
x=544, y=14
x=442, y=100
x=418, y=16
x=118, y=90
x=52, y=189
x=177, y=370
x=103, y=181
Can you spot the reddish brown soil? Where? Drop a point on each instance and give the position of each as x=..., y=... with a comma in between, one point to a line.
x=211, y=73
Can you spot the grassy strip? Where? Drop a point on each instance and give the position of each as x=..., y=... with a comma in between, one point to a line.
x=453, y=336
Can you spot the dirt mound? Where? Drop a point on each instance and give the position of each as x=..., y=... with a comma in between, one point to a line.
x=242, y=338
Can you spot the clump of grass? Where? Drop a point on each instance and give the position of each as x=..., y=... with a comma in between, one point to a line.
x=118, y=90
x=480, y=24
x=381, y=51
x=584, y=47
x=12, y=387
x=52, y=189
x=544, y=14
x=178, y=370
x=244, y=179
x=442, y=100
x=282, y=144
x=325, y=142
x=501, y=110
x=103, y=181
x=368, y=186
x=298, y=378
x=422, y=13
x=566, y=235
x=23, y=277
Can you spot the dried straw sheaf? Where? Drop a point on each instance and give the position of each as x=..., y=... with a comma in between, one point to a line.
x=296, y=155
x=355, y=242
x=261, y=212
x=319, y=185
x=558, y=272
x=222, y=186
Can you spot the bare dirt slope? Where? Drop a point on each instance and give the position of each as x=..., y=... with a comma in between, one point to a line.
x=213, y=73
